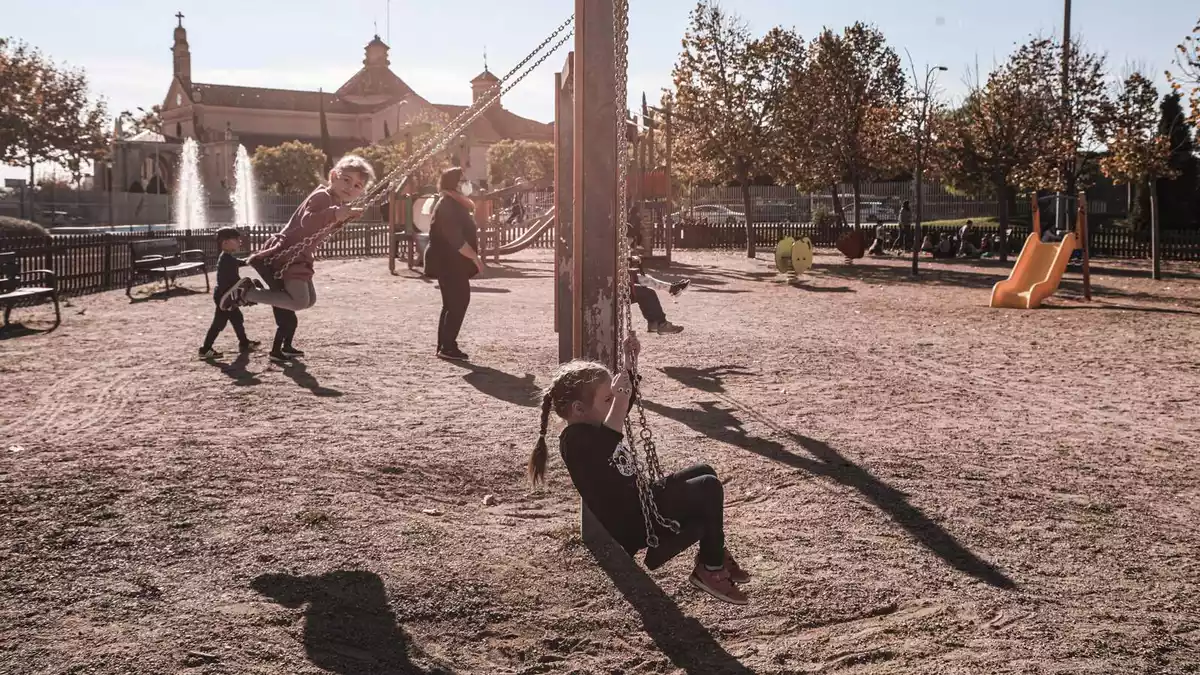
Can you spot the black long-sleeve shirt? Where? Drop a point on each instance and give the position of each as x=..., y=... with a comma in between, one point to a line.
x=601, y=467
x=228, y=266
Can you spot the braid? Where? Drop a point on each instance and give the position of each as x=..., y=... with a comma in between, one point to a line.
x=540, y=454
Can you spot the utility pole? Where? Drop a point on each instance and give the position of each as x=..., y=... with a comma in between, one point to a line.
x=1060, y=218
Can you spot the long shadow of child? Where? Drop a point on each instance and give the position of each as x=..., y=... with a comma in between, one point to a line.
x=348, y=627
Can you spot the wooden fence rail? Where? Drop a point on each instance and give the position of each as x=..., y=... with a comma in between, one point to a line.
x=90, y=263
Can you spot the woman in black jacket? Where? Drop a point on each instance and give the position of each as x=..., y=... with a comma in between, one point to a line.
x=452, y=257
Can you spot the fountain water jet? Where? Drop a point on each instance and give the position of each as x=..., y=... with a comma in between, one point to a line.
x=189, y=190
x=245, y=201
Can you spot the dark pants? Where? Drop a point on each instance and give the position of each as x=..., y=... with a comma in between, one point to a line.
x=285, y=328
x=285, y=319
x=695, y=495
x=220, y=319
x=647, y=301
x=456, y=297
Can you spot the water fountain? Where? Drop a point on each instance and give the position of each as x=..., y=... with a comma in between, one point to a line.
x=189, y=190
x=245, y=201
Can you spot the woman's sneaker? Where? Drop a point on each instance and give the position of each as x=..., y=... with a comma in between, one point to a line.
x=718, y=584
x=454, y=354
x=236, y=294
x=680, y=286
x=291, y=352
x=210, y=353
x=278, y=357
x=668, y=327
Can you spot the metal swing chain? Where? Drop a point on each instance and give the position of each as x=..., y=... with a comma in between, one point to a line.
x=435, y=145
x=628, y=362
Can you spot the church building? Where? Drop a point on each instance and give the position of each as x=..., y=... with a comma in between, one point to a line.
x=373, y=106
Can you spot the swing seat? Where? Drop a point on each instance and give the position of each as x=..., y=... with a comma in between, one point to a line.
x=671, y=546
x=668, y=547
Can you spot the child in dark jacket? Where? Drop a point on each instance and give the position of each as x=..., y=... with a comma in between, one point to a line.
x=229, y=240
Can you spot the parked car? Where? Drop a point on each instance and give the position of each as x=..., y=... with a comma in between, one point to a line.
x=777, y=212
x=869, y=212
x=712, y=213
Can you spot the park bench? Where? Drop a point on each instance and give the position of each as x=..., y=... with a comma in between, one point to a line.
x=13, y=291
x=162, y=257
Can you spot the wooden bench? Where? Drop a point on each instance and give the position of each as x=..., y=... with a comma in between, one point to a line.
x=13, y=291
x=162, y=257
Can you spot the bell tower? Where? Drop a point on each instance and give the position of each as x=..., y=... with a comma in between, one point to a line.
x=182, y=54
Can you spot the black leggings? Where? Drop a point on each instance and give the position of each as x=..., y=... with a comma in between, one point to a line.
x=456, y=297
x=695, y=495
x=220, y=319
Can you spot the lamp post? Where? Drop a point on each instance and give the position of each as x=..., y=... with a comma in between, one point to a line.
x=922, y=129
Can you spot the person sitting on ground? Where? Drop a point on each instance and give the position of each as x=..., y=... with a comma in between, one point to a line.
x=595, y=405
x=945, y=246
x=879, y=246
x=929, y=243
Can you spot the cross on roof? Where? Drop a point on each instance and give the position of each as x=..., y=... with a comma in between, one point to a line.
x=179, y=15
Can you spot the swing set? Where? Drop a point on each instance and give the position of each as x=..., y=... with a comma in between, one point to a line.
x=593, y=292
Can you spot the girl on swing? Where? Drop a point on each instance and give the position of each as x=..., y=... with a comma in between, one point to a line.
x=286, y=261
x=594, y=404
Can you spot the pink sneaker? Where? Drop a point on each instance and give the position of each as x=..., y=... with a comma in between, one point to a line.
x=736, y=574
x=717, y=584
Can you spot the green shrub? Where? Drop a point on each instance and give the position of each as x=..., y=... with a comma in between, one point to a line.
x=15, y=227
x=823, y=217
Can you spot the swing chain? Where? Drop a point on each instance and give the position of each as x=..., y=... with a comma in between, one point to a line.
x=434, y=146
x=646, y=478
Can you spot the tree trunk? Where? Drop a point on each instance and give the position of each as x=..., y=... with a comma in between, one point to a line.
x=1002, y=204
x=837, y=206
x=857, y=202
x=1155, y=239
x=744, y=179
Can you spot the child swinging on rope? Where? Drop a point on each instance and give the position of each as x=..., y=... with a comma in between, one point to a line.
x=286, y=262
x=604, y=471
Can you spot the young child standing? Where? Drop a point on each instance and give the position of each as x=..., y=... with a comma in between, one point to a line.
x=229, y=241
x=594, y=405
x=289, y=253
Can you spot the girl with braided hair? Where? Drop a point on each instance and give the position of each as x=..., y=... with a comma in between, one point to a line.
x=594, y=404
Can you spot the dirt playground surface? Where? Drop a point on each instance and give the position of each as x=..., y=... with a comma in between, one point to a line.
x=919, y=484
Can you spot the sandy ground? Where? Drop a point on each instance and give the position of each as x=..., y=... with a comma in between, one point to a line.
x=920, y=484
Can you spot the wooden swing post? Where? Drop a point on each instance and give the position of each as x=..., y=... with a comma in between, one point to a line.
x=566, y=309
x=1082, y=230
x=594, y=184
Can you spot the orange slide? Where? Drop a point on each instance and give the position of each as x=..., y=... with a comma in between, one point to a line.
x=1036, y=275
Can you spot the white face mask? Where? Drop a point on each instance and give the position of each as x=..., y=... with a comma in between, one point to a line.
x=466, y=188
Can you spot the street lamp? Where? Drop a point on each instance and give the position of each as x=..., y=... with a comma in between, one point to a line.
x=922, y=128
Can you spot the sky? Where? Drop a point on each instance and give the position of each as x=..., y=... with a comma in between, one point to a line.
x=439, y=45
